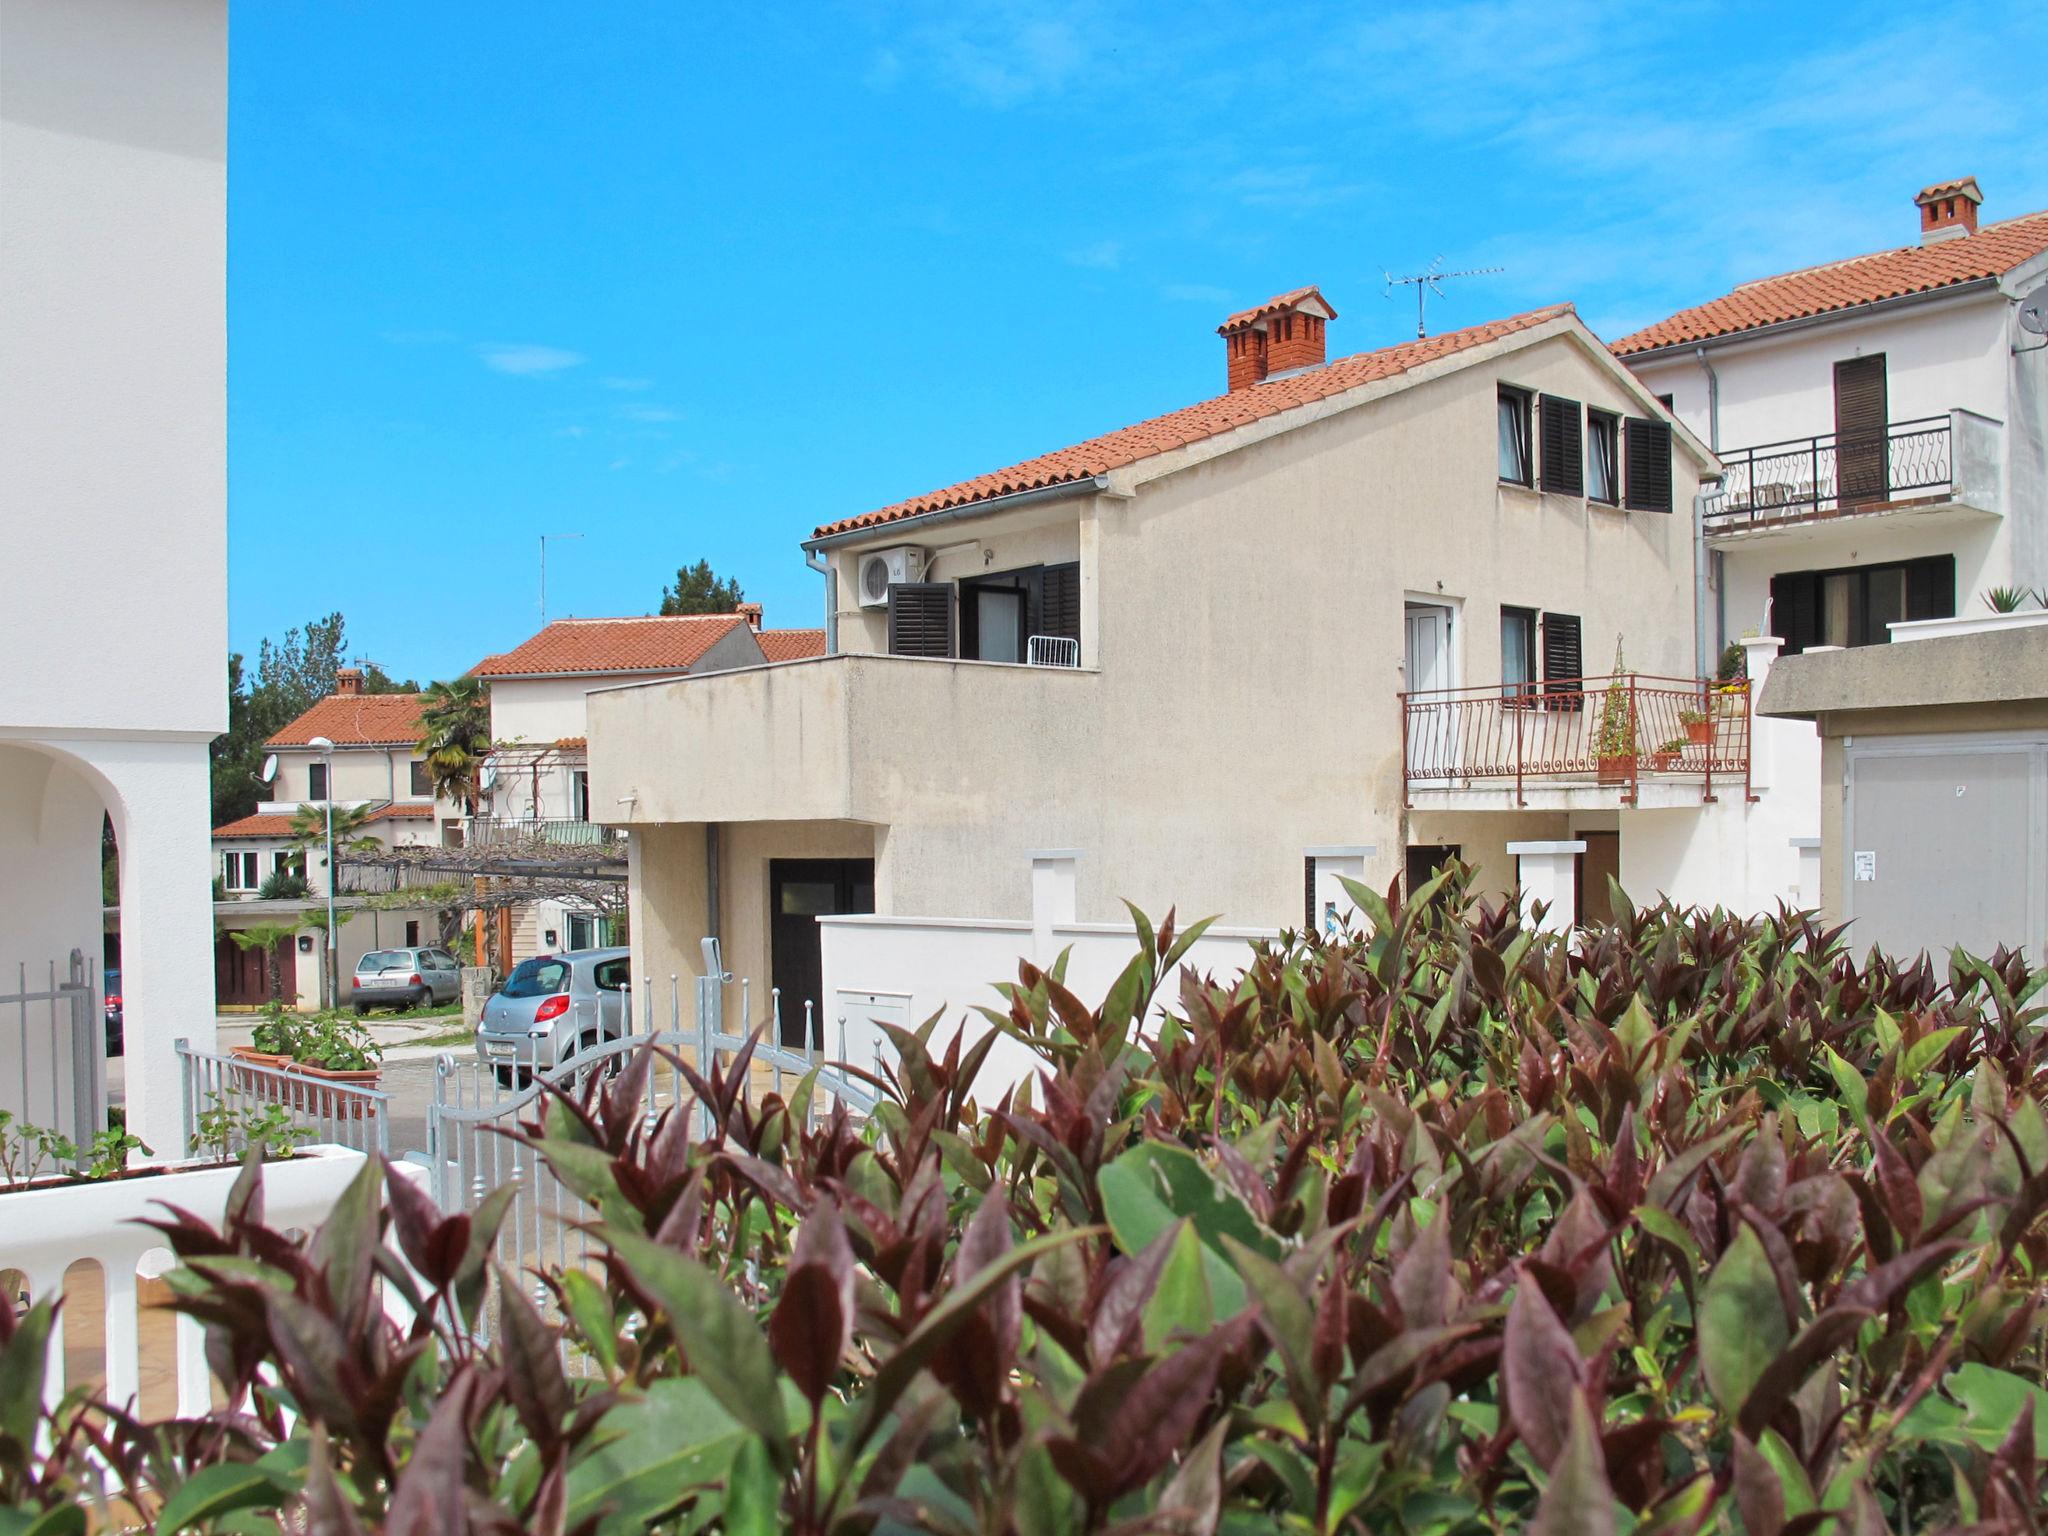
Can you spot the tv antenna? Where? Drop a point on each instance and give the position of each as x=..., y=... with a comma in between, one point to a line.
x=1425, y=283
x=544, y=571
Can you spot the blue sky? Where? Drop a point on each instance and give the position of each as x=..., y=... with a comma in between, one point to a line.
x=690, y=279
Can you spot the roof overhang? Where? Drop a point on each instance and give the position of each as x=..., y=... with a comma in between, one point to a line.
x=1083, y=485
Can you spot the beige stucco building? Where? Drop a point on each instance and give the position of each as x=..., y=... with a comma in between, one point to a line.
x=1177, y=655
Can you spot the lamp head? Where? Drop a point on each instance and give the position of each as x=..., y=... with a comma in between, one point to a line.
x=321, y=745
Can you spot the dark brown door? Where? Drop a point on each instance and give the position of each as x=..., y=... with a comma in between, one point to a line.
x=1861, y=451
x=800, y=891
x=1600, y=862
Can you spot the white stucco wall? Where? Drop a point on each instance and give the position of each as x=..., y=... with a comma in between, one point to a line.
x=113, y=612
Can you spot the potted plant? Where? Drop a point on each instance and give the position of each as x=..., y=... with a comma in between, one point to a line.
x=335, y=1049
x=1614, y=738
x=1699, y=727
x=1666, y=756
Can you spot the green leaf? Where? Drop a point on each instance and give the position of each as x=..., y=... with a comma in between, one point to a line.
x=1290, y=1320
x=652, y=1451
x=1742, y=1322
x=1578, y=1501
x=221, y=1490
x=753, y=1493
x=21, y=1372
x=1665, y=1227
x=1922, y=1053
x=1850, y=1084
x=591, y=1312
x=1153, y=1185
x=727, y=1349
x=1992, y=1400
x=1180, y=1302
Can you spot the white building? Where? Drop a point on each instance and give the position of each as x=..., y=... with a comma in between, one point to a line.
x=1349, y=617
x=373, y=764
x=113, y=595
x=538, y=771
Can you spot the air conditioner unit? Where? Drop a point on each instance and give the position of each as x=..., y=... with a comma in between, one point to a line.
x=886, y=568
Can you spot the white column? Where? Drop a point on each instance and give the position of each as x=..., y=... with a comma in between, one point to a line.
x=1759, y=652
x=1055, y=896
x=1549, y=874
x=1333, y=867
x=160, y=823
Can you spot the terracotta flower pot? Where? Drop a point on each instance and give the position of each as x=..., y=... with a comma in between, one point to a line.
x=1616, y=770
x=1664, y=761
x=328, y=1102
x=262, y=1086
x=1700, y=732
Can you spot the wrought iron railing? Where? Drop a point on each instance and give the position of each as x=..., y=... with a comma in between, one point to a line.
x=1820, y=476
x=1618, y=730
x=566, y=832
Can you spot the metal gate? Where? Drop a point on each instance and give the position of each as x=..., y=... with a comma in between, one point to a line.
x=471, y=1153
x=59, y=1068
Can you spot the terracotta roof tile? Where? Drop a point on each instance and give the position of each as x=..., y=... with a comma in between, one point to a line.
x=356, y=720
x=256, y=826
x=1274, y=306
x=1993, y=251
x=613, y=645
x=791, y=644
x=412, y=810
x=1193, y=423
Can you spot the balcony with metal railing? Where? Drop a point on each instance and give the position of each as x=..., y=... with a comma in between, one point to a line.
x=1931, y=464
x=1576, y=743
x=557, y=832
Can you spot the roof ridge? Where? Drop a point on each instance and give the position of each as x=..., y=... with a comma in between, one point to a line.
x=1232, y=409
x=1895, y=250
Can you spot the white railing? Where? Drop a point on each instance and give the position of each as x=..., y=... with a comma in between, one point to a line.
x=1052, y=651
x=58, y=1059
x=343, y=1114
x=53, y=1227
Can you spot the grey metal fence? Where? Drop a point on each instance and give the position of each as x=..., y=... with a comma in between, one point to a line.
x=59, y=1049
x=471, y=1150
x=235, y=1089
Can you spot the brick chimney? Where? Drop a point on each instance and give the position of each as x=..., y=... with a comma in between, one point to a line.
x=348, y=681
x=751, y=612
x=1279, y=336
x=1948, y=210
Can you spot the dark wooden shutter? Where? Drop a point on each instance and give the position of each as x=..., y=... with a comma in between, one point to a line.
x=1563, y=663
x=1060, y=602
x=1646, y=448
x=1564, y=458
x=921, y=618
x=1795, y=610
x=1861, y=467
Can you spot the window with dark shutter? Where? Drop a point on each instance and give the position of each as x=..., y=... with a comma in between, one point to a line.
x=1060, y=602
x=1795, y=610
x=1646, y=447
x=921, y=618
x=1861, y=404
x=1931, y=587
x=1563, y=666
x=1563, y=462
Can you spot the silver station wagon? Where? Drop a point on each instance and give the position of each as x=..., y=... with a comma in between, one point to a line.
x=551, y=1008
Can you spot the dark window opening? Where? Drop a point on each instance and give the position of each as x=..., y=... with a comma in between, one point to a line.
x=1424, y=860
x=1515, y=465
x=1564, y=667
x=316, y=781
x=422, y=780
x=1000, y=613
x=1856, y=605
x=1518, y=654
x=1603, y=472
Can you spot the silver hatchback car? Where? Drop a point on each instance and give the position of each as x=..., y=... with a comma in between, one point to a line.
x=404, y=978
x=551, y=1008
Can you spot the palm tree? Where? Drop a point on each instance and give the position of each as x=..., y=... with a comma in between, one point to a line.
x=455, y=737
x=309, y=827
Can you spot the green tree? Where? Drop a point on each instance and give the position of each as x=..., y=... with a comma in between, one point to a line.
x=309, y=828
x=290, y=676
x=455, y=736
x=698, y=590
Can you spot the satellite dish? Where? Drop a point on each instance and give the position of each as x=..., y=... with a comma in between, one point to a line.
x=489, y=777
x=269, y=773
x=2034, y=311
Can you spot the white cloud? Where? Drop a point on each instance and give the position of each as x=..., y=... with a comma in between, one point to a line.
x=1103, y=255
x=616, y=382
x=526, y=359
x=648, y=413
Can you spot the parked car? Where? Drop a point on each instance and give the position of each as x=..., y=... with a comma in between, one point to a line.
x=404, y=978
x=553, y=1007
x=115, y=1034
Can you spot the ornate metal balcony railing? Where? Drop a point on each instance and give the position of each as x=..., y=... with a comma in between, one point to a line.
x=1806, y=477
x=1619, y=730
x=563, y=832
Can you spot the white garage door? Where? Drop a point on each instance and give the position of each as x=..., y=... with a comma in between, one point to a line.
x=1944, y=843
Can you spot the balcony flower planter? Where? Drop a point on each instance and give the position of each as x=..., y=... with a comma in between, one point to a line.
x=1616, y=770
x=1699, y=733
x=1665, y=759
x=300, y=1087
x=326, y=1101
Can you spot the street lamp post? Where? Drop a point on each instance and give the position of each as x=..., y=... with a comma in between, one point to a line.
x=325, y=748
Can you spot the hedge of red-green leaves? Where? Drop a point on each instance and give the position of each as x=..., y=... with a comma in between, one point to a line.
x=1700, y=1224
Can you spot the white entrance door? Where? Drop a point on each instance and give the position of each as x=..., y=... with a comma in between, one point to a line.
x=1432, y=723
